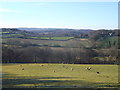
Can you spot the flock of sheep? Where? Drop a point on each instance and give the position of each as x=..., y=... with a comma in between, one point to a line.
x=88, y=68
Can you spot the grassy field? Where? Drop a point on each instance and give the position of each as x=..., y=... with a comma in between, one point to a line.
x=68, y=43
x=59, y=76
x=52, y=38
x=4, y=32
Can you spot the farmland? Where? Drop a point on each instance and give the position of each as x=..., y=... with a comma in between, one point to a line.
x=52, y=38
x=60, y=59
x=60, y=46
x=50, y=43
x=59, y=75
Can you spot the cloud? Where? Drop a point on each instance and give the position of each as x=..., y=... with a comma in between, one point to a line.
x=7, y=10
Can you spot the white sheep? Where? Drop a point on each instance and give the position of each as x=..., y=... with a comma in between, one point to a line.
x=72, y=69
x=42, y=65
x=89, y=68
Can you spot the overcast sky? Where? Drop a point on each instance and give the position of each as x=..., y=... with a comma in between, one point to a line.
x=78, y=15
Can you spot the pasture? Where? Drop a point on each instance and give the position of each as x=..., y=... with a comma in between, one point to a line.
x=59, y=76
x=51, y=43
x=52, y=38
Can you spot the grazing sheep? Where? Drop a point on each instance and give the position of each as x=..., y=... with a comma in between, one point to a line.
x=89, y=68
x=98, y=72
x=72, y=69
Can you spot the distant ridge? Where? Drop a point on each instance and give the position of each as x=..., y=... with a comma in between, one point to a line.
x=31, y=29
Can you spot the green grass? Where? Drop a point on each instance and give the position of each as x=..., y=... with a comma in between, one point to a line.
x=74, y=43
x=10, y=34
x=35, y=75
x=53, y=38
x=61, y=38
x=4, y=32
x=39, y=37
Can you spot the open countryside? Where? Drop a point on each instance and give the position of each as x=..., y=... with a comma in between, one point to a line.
x=59, y=45
x=60, y=76
x=72, y=61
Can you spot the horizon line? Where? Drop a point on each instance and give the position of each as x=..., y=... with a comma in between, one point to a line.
x=64, y=28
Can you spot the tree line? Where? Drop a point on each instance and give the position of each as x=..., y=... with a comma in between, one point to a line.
x=65, y=55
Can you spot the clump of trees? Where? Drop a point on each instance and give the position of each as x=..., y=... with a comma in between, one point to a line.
x=105, y=38
x=66, y=55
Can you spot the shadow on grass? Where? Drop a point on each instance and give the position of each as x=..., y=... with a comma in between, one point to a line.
x=25, y=81
x=12, y=81
x=14, y=76
x=34, y=83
